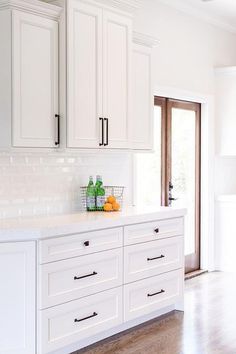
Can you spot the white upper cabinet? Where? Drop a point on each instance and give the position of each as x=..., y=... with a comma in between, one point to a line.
x=99, y=75
x=17, y=301
x=32, y=102
x=143, y=96
x=225, y=100
x=84, y=74
x=117, y=46
x=35, y=80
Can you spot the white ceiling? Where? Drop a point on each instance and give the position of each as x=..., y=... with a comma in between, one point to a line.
x=219, y=12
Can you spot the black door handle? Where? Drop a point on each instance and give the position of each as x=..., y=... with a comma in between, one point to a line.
x=86, y=243
x=85, y=276
x=159, y=257
x=107, y=134
x=159, y=292
x=86, y=318
x=102, y=120
x=57, y=142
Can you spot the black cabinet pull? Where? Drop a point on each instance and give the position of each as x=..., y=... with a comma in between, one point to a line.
x=159, y=257
x=156, y=230
x=107, y=134
x=86, y=243
x=57, y=142
x=85, y=318
x=159, y=292
x=85, y=276
x=102, y=143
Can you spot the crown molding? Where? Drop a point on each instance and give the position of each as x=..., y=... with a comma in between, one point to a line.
x=32, y=6
x=144, y=39
x=129, y=6
x=190, y=10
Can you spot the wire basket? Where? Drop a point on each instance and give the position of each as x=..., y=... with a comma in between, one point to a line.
x=116, y=191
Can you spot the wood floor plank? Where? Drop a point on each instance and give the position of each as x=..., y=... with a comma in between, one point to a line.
x=208, y=325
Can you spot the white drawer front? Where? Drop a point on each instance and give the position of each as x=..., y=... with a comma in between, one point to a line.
x=81, y=276
x=149, y=295
x=81, y=244
x=151, y=231
x=153, y=258
x=66, y=324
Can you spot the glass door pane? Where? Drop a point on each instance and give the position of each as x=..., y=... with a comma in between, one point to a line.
x=183, y=173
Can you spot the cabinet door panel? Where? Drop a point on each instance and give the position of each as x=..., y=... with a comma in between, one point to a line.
x=35, y=80
x=17, y=298
x=116, y=77
x=143, y=105
x=84, y=75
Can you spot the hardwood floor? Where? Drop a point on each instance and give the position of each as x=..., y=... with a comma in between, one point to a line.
x=208, y=325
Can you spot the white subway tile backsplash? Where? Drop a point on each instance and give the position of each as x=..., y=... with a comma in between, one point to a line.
x=37, y=183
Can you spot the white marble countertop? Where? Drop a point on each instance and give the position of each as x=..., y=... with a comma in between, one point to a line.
x=35, y=228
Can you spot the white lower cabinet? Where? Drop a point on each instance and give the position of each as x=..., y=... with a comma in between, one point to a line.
x=81, y=276
x=89, y=285
x=56, y=249
x=69, y=323
x=154, y=230
x=17, y=298
x=148, y=295
x=107, y=280
x=152, y=258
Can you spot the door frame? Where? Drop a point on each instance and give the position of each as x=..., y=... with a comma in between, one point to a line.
x=207, y=248
x=192, y=261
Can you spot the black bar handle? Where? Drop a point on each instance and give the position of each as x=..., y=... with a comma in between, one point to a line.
x=86, y=243
x=102, y=120
x=107, y=134
x=57, y=142
x=85, y=276
x=85, y=318
x=159, y=292
x=152, y=259
x=156, y=230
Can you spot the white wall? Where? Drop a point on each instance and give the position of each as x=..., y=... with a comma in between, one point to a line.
x=189, y=48
x=225, y=172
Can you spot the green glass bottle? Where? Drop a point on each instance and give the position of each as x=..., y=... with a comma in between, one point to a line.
x=100, y=194
x=91, y=195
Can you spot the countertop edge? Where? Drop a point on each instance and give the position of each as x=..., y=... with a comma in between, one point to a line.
x=16, y=234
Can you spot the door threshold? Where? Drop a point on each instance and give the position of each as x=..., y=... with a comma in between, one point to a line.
x=194, y=274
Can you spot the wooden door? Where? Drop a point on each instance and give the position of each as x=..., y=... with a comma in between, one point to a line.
x=142, y=114
x=34, y=80
x=181, y=172
x=84, y=75
x=117, y=51
x=17, y=298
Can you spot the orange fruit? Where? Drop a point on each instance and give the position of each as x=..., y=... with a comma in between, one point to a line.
x=116, y=206
x=107, y=207
x=111, y=199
